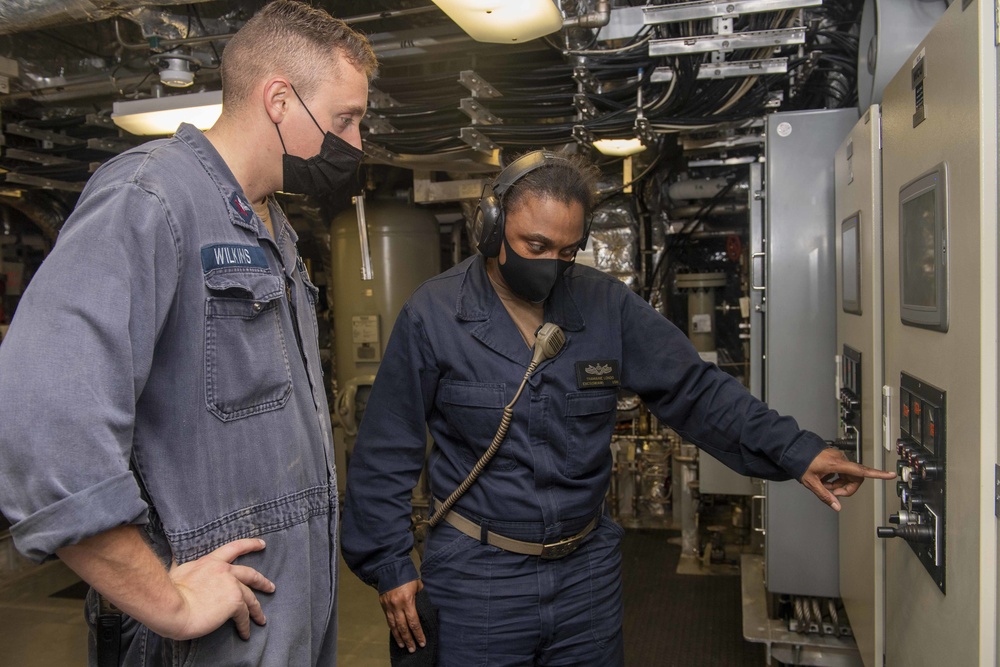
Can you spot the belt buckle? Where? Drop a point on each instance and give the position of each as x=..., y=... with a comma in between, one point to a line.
x=561, y=548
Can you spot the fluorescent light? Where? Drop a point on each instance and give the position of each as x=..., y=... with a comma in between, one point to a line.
x=503, y=21
x=162, y=115
x=619, y=147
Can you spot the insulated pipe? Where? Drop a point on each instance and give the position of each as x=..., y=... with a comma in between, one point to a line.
x=102, y=84
x=704, y=188
x=722, y=208
x=23, y=15
x=201, y=39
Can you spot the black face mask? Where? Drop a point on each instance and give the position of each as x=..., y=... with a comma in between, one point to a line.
x=332, y=171
x=531, y=279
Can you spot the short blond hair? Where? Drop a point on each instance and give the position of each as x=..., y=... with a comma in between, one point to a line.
x=293, y=39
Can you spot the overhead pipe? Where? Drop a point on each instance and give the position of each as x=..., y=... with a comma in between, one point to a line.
x=705, y=188
x=202, y=39
x=598, y=18
x=385, y=45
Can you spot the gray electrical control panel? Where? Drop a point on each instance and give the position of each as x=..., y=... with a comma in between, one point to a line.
x=920, y=475
x=858, y=174
x=798, y=253
x=941, y=289
x=851, y=395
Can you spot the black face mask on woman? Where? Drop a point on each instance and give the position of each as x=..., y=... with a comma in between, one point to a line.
x=333, y=170
x=531, y=279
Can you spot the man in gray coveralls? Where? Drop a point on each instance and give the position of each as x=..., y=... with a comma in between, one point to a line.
x=164, y=409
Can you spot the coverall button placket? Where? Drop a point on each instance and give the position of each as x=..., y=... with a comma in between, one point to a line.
x=295, y=294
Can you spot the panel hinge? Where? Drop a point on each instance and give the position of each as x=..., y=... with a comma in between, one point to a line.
x=996, y=490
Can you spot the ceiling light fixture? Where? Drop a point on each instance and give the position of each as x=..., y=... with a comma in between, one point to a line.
x=177, y=73
x=162, y=115
x=620, y=147
x=176, y=69
x=503, y=21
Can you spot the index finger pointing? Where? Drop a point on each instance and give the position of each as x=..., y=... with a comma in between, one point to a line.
x=875, y=473
x=850, y=468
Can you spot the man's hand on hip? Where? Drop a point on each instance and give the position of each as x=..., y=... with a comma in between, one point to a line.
x=214, y=590
x=188, y=601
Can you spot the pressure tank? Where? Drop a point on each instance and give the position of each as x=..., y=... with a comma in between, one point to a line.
x=405, y=251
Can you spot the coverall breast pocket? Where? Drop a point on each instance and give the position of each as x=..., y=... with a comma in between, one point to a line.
x=474, y=411
x=246, y=358
x=590, y=419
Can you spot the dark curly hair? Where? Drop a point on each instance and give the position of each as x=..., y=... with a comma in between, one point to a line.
x=568, y=180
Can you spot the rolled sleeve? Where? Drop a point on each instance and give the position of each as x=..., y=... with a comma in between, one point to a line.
x=98, y=508
x=73, y=364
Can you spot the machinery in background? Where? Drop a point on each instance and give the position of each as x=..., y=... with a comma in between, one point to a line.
x=443, y=102
x=403, y=247
x=697, y=275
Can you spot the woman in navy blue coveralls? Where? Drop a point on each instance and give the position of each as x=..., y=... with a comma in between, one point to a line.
x=456, y=357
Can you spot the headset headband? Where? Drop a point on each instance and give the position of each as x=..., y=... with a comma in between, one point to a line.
x=521, y=167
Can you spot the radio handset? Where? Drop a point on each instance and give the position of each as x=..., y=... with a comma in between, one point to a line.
x=549, y=339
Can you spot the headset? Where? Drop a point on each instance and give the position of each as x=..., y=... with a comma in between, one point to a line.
x=488, y=226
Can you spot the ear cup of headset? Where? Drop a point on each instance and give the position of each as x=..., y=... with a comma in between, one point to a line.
x=487, y=232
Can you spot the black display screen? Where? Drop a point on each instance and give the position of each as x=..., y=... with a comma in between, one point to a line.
x=920, y=251
x=923, y=251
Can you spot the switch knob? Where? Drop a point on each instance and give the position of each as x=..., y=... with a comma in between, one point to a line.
x=930, y=471
x=910, y=533
x=904, y=518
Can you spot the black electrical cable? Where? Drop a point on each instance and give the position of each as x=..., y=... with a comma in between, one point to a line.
x=197, y=15
x=608, y=194
x=672, y=245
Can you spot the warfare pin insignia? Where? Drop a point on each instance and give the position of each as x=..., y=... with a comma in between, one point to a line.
x=597, y=373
